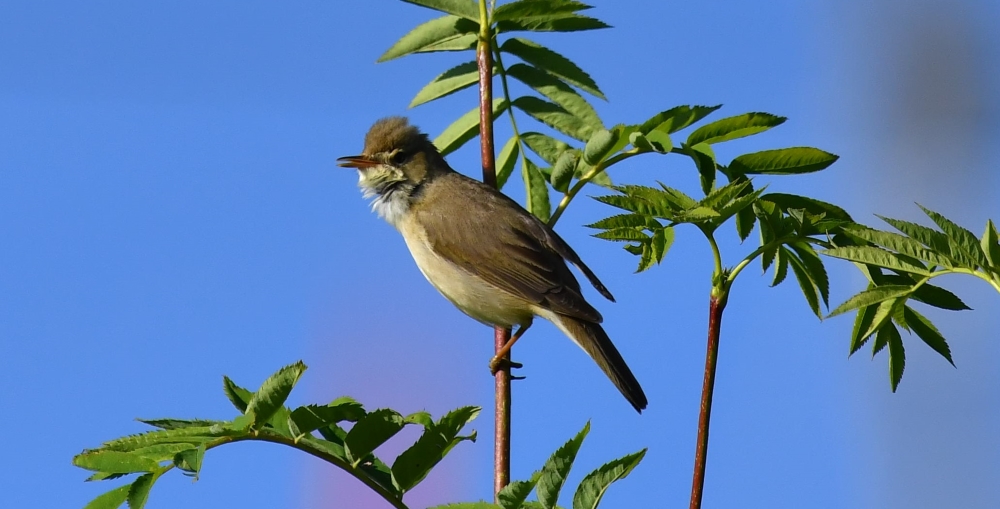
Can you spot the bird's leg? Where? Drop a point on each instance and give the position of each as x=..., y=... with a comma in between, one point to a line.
x=498, y=360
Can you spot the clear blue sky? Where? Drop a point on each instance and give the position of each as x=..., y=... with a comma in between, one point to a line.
x=170, y=212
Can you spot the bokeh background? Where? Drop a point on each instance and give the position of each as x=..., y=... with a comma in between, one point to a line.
x=170, y=212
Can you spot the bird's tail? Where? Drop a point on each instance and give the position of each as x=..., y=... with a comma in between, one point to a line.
x=592, y=338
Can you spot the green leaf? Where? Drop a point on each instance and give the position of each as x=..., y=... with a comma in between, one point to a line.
x=598, y=145
x=190, y=460
x=371, y=431
x=413, y=465
x=780, y=266
x=732, y=128
x=621, y=221
x=557, y=468
x=814, y=267
x=552, y=63
x=677, y=198
x=883, y=314
x=181, y=423
x=563, y=170
x=514, y=494
x=660, y=141
x=623, y=235
x=457, y=78
x=236, y=394
x=465, y=128
x=312, y=417
x=810, y=205
x=273, y=392
x=862, y=322
x=926, y=331
x=462, y=8
x=554, y=116
x=745, y=218
x=166, y=451
x=447, y=33
x=676, y=118
x=468, y=505
x=596, y=483
x=527, y=8
x=547, y=147
x=138, y=492
x=506, y=161
x=933, y=239
x=704, y=159
x=897, y=357
x=802, y=275
x=639, y=141
x=110, y=500
x=878, y=257
x=557, y=91
x=872, y=296
x=901, y=244
x=552, y=23
x=785, y=161
x=537, y=191
x=662, y=240
x=115, y=462
x=963, y=239
x=990, y=245
x=716, y=199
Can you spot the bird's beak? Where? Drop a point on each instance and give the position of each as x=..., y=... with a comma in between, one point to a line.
x=359, y=162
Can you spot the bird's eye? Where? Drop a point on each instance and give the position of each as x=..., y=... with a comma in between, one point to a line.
x=399, y=157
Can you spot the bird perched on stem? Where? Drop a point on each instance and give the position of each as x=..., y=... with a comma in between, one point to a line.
x=487, y=255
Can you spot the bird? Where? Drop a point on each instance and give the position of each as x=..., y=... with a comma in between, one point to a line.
x=480, y=249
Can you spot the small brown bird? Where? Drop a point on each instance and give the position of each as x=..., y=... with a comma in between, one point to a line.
x=491, y=258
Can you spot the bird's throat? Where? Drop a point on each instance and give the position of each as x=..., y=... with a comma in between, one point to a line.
x=390, y=199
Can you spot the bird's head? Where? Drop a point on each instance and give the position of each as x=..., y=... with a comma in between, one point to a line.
x=396, y=157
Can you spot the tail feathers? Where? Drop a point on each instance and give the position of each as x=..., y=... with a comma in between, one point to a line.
x=592, y=338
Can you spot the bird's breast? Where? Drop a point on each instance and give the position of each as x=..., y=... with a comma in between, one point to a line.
x=468, y=292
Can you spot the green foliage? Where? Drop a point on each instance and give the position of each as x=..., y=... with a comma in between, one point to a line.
x=899, y=268
x=182, y=443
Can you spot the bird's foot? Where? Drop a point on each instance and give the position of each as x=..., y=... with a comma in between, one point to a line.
x=499, y=363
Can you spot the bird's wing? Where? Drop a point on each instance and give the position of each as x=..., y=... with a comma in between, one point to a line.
x=522, y=259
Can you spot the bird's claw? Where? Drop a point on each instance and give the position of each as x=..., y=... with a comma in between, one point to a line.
x=498, y=363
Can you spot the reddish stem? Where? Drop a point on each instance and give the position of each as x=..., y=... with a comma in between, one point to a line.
x=715, y=307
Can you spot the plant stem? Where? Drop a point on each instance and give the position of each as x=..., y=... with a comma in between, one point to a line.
x=484, y=60
x=595, y=171
x=716, y=304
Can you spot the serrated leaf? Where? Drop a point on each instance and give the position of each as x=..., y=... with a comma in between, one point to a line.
x=676, y=118
x=883, y=314
x=514, y=494
x=663, y=238
x=598, y=145
x=526, y=8
x=815, y=269
x=138, y=492
x=552, y=23
x=161, y=452
x=639, y=141
x=897, y=357
x=621, y=221
x=780, y=266
x=554, y=116
x=552, y=63
x=464, y=128
x=732, y=128
x=963, y=239
x=447, y=33
x=236, y=394
x=110, y=500
x=901, y=244
x=862, y=322
x=180, y=423
x=506, y=161
x=371, y=431
x=413, y=465
x=704, y=159
x=273, y=393
x=190, y=460
x=103, y=476
x=990, y=245
x=463, y=8
x=679, y=200
x=810, y=205
x=719, y=197
x=457, y=78
x=592, y=488
x=557, y=91
x=882, y=338
x=803, y=276
x=193, y=435
x=784, y=161
x=547, y=147
x=537, y=191
x=556, y=469
x=871, y=296
x=115, y=462
x=746, y=218
x=623, y=235
x=927, y=332
x=878, y=257
x=563, y=170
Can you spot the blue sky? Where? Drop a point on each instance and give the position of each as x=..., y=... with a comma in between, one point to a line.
x=170, y=212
